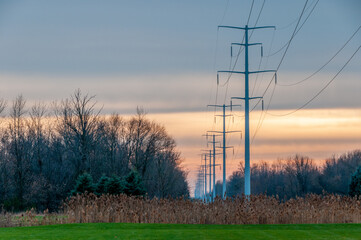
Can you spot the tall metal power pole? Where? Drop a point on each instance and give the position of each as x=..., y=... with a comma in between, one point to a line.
x=246, y=98
x=210, y=176
x=224, y=147
x=205, y=177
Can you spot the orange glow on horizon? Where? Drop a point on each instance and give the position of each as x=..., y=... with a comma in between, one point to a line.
x=316, y=133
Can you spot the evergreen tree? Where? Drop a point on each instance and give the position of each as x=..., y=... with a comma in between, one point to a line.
x=355, y=185
x=115, y=186
x=84, y=183
x=101, y=187
x=133, y=184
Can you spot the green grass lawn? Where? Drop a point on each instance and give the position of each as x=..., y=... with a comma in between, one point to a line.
x=174, y=231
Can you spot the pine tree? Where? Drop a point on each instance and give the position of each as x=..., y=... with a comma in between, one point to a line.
x=115, y=186
x=84, y=183
x=355, y=185
x=133, y=184
x=101, y=186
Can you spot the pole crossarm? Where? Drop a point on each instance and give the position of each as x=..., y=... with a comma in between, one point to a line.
x=246, y=28
x=251, y=98
x=225, y=106
x=250, y=72
x=226, y=131
x=216, y=105
x=226, y=147
x=234, y=131
x=228, y=71
x=211, y=135
x=242, y=44
x=263, y=71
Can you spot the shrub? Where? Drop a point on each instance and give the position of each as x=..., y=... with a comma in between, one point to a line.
x=133, y=184
x=355, y=185
x=84, y=183
x=115, y=186
x=102, y=185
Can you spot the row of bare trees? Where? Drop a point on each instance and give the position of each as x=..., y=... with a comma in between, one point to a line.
x=45, y=148
x=297, y=176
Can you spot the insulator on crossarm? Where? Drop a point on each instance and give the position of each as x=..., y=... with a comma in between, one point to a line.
x=231, y=105
x=217, y=79
x=231, y=51
x=261, y=51
x=262, y=105
x=275, y=78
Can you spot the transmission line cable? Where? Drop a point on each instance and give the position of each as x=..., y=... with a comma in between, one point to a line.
x=215, y=59
x=295, y=20
x=262, y=117
x=324, y=65
x=241, y=49
x=319, y=92
x=286, y=44
x=284, y=54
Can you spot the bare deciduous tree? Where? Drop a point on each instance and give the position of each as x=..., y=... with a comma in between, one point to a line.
x=18, y=147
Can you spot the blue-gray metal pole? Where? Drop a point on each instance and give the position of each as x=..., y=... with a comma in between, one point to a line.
x=214, y=167
x=205, y=177
x=210, y=175
x=224, y=153
x=247, y=175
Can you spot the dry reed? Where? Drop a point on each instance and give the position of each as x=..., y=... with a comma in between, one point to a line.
x=259, y=209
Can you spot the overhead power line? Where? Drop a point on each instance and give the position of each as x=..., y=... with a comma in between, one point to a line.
x=303, y=23
x=262, y=117
x=284, y=54
x=324, y=65
x=319, y=92
x=240, y=49
x=295, y=20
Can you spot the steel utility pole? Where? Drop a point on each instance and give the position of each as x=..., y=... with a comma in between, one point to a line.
x=209, y=153
x=213, y=193
x=210, y=176
x=205, y=177
x=246, y=98
x=200, y=188
x=224, y=147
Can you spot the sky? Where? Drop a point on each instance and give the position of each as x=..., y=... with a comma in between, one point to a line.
x=164, y=55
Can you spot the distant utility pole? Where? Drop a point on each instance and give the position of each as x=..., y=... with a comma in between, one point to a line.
x=224, y=132
x=246, y=98
x=214, y=167
x=199, y=191
x=213, y=142
x=210, y=176
x=205, y=177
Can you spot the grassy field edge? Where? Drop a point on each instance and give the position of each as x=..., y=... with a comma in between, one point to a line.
x=183, y=231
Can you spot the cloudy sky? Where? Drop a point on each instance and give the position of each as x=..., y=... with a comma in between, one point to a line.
x=163, y=55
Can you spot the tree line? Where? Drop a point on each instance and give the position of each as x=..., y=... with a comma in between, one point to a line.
x=44, y=149
x=299, y=176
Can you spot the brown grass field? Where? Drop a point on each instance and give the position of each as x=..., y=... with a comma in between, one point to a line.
x=258, y=209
